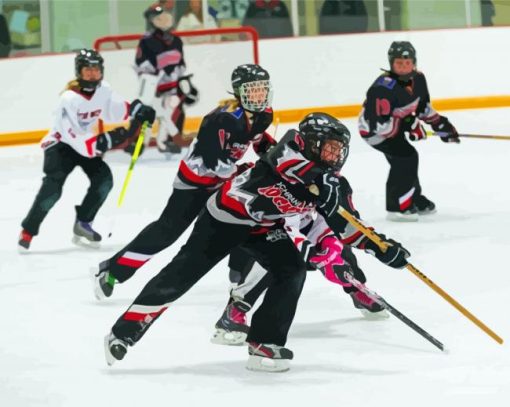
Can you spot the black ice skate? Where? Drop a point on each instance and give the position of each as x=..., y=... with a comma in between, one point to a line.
x=103, y=281
x=268, y=357
x=368, y=307
x=114, y=348
x=24, y=241
x=231, y=328
x=409, y=215
x=169, y=147
x=424, y=205
x=85, y=236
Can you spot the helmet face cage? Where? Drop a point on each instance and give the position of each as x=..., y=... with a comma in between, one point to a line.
x=255, y=96
x=319, y=130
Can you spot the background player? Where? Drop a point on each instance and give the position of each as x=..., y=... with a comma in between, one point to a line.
x=71, y=142
x=225, y=135
x=163, y=80
x=395, y=105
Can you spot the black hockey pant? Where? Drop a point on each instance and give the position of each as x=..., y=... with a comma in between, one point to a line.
x=59, y=161
x=181, y=210
x=210, y=241
x=249, y=281
x=403, y=184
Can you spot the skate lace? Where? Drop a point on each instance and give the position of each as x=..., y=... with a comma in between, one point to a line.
x=237, y=316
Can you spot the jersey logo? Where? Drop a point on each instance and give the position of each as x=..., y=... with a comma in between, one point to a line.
x=386, y=82
x=222, y=135
x=382, y=107
x=284, y=201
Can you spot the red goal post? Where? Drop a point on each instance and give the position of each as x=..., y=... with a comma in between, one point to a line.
x=211, y=62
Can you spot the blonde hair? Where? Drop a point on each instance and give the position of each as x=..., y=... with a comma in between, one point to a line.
x=231, y=104
x=72, y=85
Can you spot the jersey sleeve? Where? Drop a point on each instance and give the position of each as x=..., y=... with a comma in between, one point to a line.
x=348, y=234
x=379, y=120
x=425, y=111
x=211, y=144
x=143, y=60
x=117, y=109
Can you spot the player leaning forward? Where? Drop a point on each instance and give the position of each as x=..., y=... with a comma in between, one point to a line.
x=396, y=105
x=71, y=142
x=257, y=199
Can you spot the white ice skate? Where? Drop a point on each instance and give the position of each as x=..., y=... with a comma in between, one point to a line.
x=268, y=357
x=114, y=349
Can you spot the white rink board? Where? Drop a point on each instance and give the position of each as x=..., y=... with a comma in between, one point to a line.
x=52, y=329
x=310, y=71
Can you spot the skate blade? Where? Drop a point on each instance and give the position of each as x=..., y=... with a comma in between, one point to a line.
x=98, y=293
x=427, y=212
x=82, y=242
x=110, y=359
x=22, y=250
x=222, y=337
x=262, y=364
x=399, y=217
x=375, y=316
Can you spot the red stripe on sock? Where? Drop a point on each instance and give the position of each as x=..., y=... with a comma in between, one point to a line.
x=124, y=261
x=140, y=317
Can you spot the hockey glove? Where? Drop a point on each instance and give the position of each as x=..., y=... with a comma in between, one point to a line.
x=111, y=139
x=330, y=262
x=395, y=256
x=445, y=130
x=142, y=113
x=329, y=194
x=187, y=89
x=417, y=132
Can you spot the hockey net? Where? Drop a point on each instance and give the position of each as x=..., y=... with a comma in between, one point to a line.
x=210, y=55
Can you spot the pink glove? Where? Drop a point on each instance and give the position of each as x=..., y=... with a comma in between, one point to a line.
x=330, y=262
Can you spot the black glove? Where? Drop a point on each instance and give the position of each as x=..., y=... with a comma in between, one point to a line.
x=445, y=130
x=329, y=194
x=395, y=256
x=111, y=139
x=187, y=89
x=142, y=113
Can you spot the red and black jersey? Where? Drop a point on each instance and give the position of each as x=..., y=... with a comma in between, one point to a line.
x=390, y=103
x=223, y=138
x=277, y=188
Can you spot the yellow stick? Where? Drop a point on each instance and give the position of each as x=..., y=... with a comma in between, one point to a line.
x=134, y=158
x=384, y=246
x=478, y=136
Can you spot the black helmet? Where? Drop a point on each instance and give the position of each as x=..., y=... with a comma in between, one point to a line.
x=154, y=11
x=247, y=77
x=401, y=49
x=88, y=57
x=316, y=129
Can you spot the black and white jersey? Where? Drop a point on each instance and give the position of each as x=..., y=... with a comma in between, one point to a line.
x=389, y=103
x=224, y=136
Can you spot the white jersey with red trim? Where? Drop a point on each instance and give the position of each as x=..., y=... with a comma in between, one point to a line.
x=77, y=115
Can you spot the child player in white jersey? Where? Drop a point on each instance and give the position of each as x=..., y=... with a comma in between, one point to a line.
x=72, y=142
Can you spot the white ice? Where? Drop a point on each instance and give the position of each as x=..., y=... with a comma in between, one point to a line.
x=51, y=351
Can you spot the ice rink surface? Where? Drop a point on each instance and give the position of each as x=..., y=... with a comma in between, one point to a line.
x=51, y=336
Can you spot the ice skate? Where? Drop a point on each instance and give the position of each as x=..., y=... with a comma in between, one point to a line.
x=24, y=241
x=114, y=349
x=169, y=147
x=424, y=205
x=103, y=281
x=231, y=328
x=85, y=236
x=368, y=307
x=268, y=357
x=409, y=215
